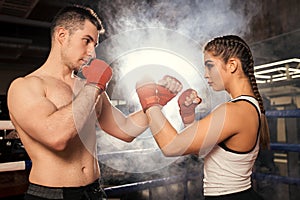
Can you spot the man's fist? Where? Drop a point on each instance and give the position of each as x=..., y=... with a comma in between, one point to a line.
x=151, y=93
x=147, y=94
x=187, y=102
x=97, y=73
x=167, y=88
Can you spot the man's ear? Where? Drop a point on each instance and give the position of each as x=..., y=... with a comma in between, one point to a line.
x=233, y=64
x=61, y=34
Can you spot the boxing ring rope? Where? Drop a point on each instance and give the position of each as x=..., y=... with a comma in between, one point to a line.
x=184, y=178
x=283, y=113
x=6, y=125
x=15, y=166
x=276, y=178
x=285, y=147
x=138, y=186
x=147, y=185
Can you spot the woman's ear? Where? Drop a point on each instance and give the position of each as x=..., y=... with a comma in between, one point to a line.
x=233, y=64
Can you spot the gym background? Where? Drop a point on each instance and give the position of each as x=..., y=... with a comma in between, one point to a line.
x=271, y=28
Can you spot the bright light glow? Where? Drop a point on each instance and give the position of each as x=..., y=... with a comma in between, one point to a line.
x=152, y=53
x=272, y=70
x=154, y=63
x=279, y=79
x=296, y=76
x=142, y=57
x=262, y=76
x=260, y=81
x=297, y=60
x=294, y=70
x=270, y=73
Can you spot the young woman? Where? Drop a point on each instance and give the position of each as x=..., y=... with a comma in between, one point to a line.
x=230, y=136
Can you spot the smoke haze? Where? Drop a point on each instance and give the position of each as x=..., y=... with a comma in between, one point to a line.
x=200, y=20
x=174, y=27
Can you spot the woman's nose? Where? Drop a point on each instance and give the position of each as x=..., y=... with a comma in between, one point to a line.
x=206, y=73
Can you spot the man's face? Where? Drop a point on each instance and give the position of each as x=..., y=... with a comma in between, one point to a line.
x=79, y=47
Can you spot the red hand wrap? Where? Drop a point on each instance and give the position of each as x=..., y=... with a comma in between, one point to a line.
x=187, y=112
x=97, y=73
x=151, y=93
x=147, y=95
x=164, y=95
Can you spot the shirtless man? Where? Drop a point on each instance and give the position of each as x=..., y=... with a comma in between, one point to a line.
x=55, y=112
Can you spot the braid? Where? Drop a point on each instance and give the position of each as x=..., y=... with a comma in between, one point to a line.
x=255, y=90
x=233, y=46
x=230, y=46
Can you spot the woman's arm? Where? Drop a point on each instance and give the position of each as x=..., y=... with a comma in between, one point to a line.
x=126, y=128
x=200, y=136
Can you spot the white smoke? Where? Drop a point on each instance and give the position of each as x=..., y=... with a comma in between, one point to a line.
x=177, y=27
x=200, y=20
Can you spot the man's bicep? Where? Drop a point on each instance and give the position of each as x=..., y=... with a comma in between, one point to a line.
x=28, y=104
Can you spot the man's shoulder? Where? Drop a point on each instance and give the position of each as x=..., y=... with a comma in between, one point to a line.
x=26, y=82
x=29, y=79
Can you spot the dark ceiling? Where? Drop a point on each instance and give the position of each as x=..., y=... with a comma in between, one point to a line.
x=25, y=39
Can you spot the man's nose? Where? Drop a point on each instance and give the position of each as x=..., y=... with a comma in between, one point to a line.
x=92, y=52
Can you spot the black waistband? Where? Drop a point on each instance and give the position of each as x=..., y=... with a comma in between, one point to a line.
x=93, y=189
x=248, y=194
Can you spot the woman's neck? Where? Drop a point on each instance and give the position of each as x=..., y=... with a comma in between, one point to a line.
x=240, y=87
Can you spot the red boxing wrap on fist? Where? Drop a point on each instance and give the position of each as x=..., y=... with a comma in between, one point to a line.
x=147, y=95
x=187, y=102
x=164, y=95
x=97, y=73
x=151, y=93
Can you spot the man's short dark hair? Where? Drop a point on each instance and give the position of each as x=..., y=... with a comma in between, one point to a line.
x=73, y=17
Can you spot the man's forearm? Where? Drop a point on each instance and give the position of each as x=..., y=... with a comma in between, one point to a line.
x=70, y=119
x=83, y=105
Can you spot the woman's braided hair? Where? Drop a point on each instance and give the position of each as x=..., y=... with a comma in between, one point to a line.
x=230, y=46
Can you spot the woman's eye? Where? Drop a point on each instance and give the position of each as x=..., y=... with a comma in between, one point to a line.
x=209, y=66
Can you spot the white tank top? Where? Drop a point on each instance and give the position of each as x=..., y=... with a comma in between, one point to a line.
x=227, y=171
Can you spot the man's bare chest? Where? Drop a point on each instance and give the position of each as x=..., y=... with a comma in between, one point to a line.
x=60, y=93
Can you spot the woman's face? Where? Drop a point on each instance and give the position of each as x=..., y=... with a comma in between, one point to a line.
x=214, y=71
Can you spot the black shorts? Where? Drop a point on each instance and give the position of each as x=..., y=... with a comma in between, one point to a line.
x=92, y=191
x=249, y=194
